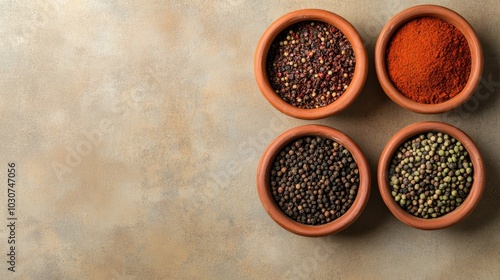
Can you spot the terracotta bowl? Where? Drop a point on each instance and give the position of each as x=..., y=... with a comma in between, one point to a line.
x=452, y=217
x=264, y=188
x=437, y=12
x=360, y=71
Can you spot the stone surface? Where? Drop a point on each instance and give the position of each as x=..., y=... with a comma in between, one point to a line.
x=136, y=128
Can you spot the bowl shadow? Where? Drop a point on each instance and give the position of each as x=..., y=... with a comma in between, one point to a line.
x=485, y=95
x=488, y=86
x=374, y=215
x=487, y=209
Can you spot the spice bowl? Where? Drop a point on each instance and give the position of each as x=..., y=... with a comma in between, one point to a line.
x=383, y=58
x=276, y=149
x=446, y=191
x=348, y=93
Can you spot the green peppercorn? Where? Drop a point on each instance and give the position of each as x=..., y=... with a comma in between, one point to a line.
x=431, y=175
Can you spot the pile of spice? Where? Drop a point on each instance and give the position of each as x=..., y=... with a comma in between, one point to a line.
x=314, y=180
x=431, y=175
x=310, y=64
x=428, y=60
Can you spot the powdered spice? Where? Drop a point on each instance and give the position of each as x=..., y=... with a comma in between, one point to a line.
x=428, y=60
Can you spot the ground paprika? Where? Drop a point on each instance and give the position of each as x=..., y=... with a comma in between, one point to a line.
x=428, y=60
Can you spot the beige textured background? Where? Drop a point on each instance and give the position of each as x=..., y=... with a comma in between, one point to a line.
x=137, y=127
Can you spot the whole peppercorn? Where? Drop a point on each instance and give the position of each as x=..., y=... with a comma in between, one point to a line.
x=319, y=182
x=430, y=175
x=310, y=64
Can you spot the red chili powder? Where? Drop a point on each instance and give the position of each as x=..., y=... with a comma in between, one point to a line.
x=428, y=60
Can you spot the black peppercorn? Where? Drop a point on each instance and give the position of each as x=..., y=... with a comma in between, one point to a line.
x=320, y=194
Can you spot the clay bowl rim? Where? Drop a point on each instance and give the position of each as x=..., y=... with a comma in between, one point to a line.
x=454, y=216
x=264, y=188
x=449, y=16
x=360, y=70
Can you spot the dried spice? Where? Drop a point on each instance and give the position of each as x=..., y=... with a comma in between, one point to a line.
x=314, y=180
x=310, y=64
x=431, y=175
x=428, y=60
